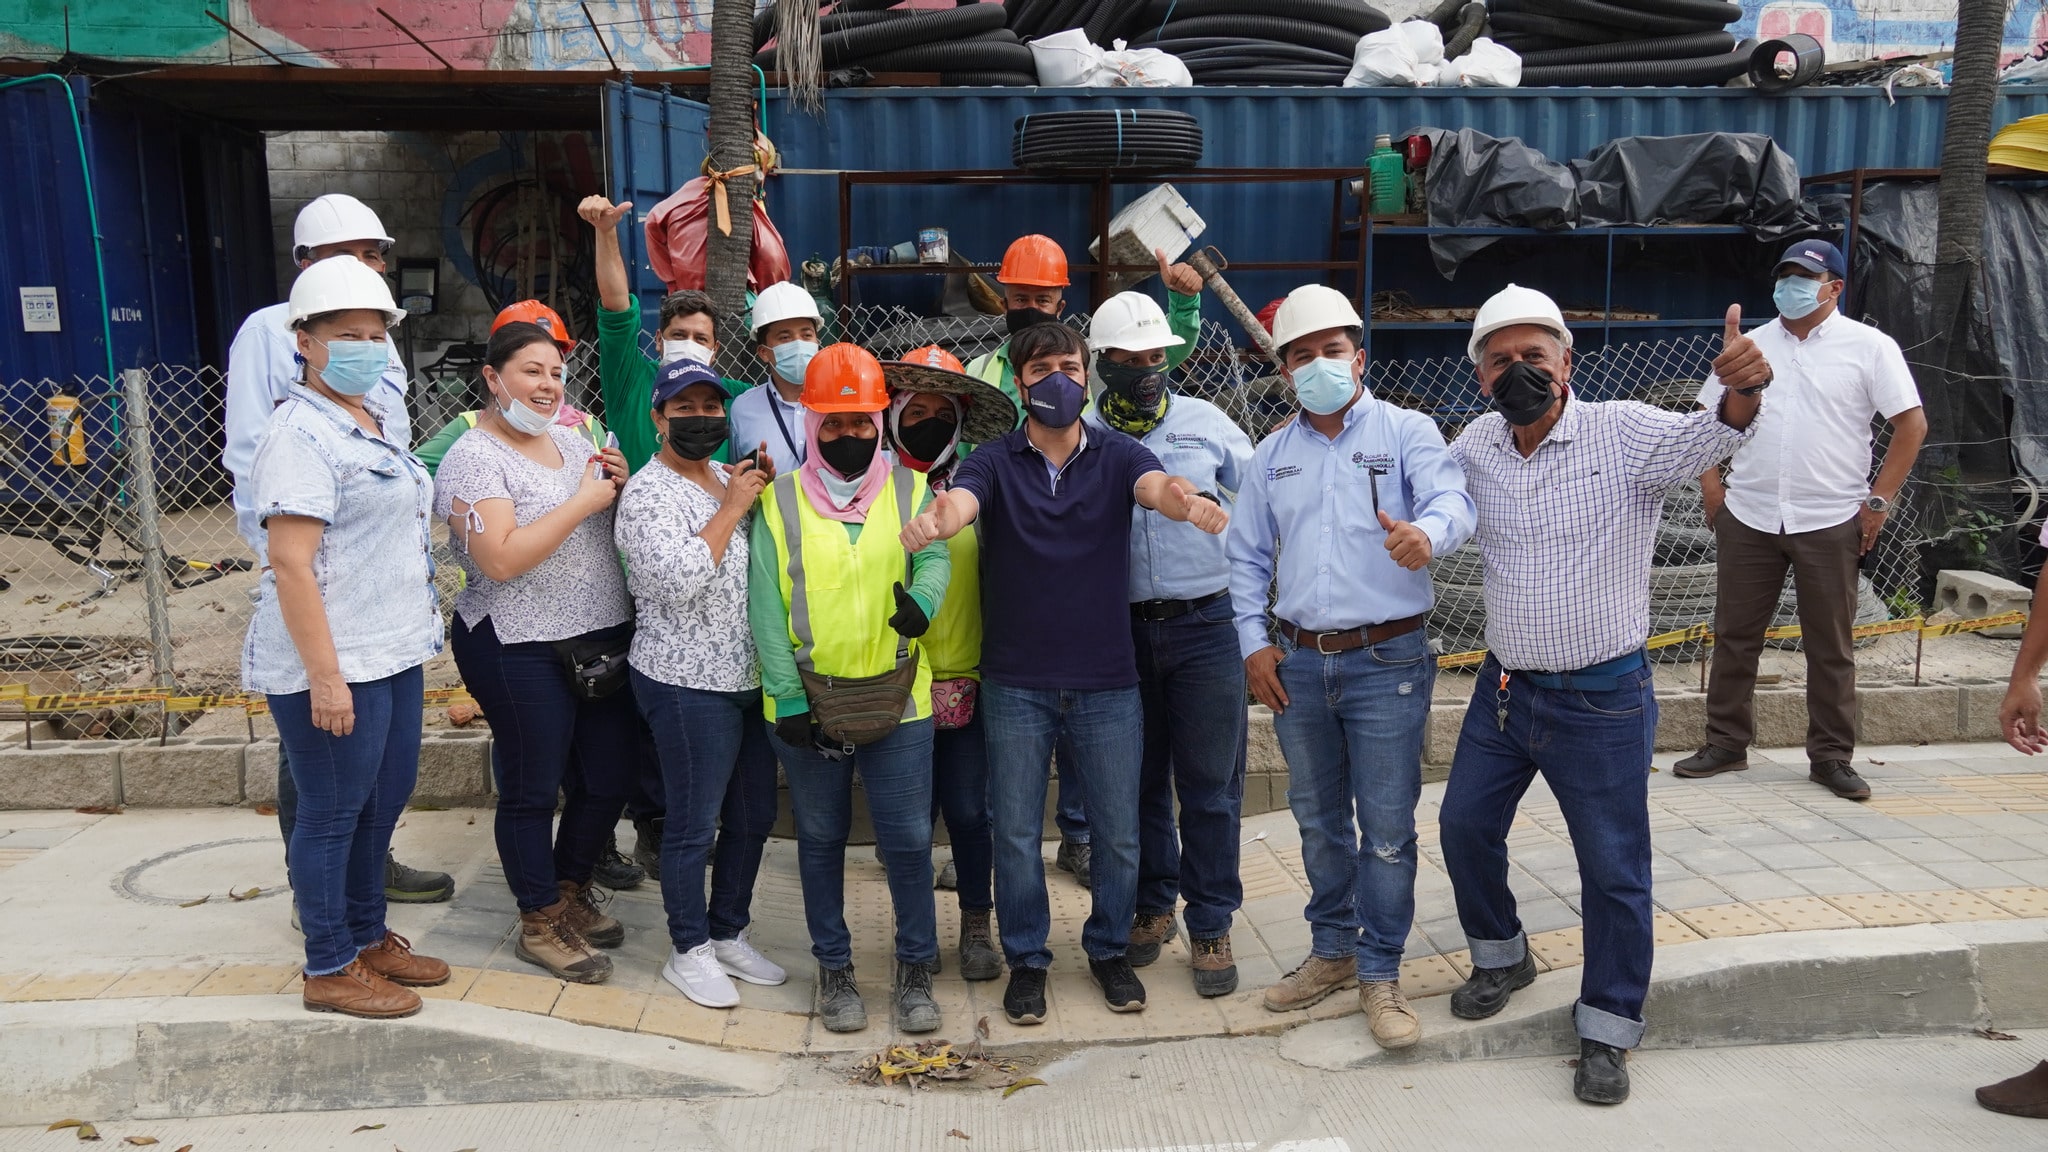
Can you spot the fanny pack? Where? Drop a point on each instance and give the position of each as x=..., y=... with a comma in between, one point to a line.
x=596, y=667
x=857, y=710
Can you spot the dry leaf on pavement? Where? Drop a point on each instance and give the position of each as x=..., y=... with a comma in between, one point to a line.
x=366, y=1128
x=958, y=1133
x=139, y=1141
x=60, y=1125
x=1020, y=1085
x=1994, y=1034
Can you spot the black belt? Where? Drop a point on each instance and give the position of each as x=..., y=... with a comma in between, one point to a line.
x=1348, y=639
x=1153, y=611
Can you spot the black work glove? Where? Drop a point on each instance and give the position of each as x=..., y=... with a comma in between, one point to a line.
x=910, y=622
x=794, y=731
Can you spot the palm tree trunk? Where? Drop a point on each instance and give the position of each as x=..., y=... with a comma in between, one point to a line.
x=732, y=147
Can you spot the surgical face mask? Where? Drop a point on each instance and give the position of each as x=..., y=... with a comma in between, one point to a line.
x=673, y=350
x=1522, y=393
x=1055, y=401
x=1324, y=385
x=1796, y=296
x=696, y=437
x=927, y=439
x=793, y=357
x=848, y=455
x=354, y=366
x=524, y=419
x=1140, y=384
x=1018, y=319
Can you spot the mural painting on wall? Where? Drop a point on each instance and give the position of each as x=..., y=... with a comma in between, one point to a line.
x=1862, y=29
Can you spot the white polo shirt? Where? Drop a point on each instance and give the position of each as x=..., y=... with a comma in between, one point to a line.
x=1807, y=466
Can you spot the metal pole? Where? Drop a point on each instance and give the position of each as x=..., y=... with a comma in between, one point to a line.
x=142, y=478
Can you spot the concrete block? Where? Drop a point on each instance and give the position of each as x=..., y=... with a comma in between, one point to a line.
x=1977, y=709
x=1262, y=747
x=1974, y=594
x=455, y=767
x=1440, y=743
x=61, y=774
x=2011, y=955
x=183, y=772
x=1780, y=718
x=1681, y=721
x=1907, y=714
x=259, y=772
x=67, y=1058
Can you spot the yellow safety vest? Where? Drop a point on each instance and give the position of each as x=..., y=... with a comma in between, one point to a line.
x=839, y=593
x=954, y=642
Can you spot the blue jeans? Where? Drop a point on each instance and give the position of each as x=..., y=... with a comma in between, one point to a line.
x=1070, y=808
x=536, y=722
x=960, y=794
x=896, y=775
x=351, y=790
x=1593, y=749
x=1352, y=735
x=1192, y=684
x=718, y=777
x=1105, y=728
x=287, y=799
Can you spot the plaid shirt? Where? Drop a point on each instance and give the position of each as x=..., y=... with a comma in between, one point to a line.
x=1567, y=532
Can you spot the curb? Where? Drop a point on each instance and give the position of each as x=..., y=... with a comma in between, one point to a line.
x=212, y=1056
x=1783, y=988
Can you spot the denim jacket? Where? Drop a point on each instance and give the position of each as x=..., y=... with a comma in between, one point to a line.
x=375, y=564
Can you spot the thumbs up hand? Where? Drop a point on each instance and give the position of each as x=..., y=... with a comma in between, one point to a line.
x=1407, y=544
x=1741, y=363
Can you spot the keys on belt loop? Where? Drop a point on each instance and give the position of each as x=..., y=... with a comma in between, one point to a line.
x=1500, y=699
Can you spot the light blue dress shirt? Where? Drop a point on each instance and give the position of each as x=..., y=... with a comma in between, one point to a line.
x=754, y=414
x=1197, y=442
x=1310, y=499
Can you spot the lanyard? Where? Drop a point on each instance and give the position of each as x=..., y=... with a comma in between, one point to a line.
x=775, y=409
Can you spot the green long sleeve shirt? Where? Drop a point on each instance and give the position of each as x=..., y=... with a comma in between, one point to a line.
x=1183, y=319
x=625, y=378
x=930, y=571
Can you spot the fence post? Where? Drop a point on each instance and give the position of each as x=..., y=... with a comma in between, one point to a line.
x=149, y=537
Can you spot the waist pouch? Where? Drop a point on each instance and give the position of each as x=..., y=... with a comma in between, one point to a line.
x=857, y=710
x=596, y=666
x=953, y=702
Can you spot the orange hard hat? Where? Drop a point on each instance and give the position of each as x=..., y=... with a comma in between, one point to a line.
x=1035, y=262
x=535, y=312
x=845, y=378
x=933, y=356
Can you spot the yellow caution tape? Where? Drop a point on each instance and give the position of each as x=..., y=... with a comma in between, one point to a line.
x=1681, y=636
x=1977, y=625
x=1462, y=659
x=13, y=691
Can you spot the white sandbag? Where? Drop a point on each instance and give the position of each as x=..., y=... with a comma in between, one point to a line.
x=1145, y=68
x=1385, y=59
x=1426, y=38
x=1488, y=64
x=1067, y=60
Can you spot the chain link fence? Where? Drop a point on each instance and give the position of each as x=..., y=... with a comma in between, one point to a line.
x=72, y=556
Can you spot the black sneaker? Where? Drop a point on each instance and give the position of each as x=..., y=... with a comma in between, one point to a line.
x=403, y=885
x=916, y=1011
x=1710, y=761
x=839, y=1003
x=647, y=847
x=1836, y=776
x=1602, y=1077
x=1121, y=989
x=1024, y=999
x=1487, y=992
x=1074, y=856
x=615, y=872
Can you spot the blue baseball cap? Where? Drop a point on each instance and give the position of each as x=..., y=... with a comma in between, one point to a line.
x=677, y=375
x=1816, y=256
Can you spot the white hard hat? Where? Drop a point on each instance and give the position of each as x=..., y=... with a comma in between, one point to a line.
x=1133, y=322
x=334, y=219
x=1514, y=305
x=339, y=283
x=1312, y=308
x=784, y=301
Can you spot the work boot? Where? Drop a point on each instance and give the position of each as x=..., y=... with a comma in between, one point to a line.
x=1149, y=933
x=839, y=1005
x=916, y=1011
x=358, y=991
x=403, y=885
x=1836, y=776
x=647, y=847
x=1215, y=969
x=588, y=918
x=1710, y=761
x=1121, y=989
x=1024, y=998
x=546, y=938
x=1602, y=1077
x=2024, y=1095
x=1317, y=977
x=1487, y=990
x=1074, y=856
x=979, y=959
x=616, y=872
x=393, y=959
x=1393, y=1022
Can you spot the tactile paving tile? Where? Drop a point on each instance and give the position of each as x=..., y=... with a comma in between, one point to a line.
x=246, y=980
x=1805, y=913
x=1671, y=930
x=2018, y=901
x=1955, y=906
x=600, y=1006
x=515, y=990
x=1880, y=909
x=1430, y=975
x=1564, y=948
x=460, y=980
x=1717, y=920
x=1460, y=962
x=65, y=986
x=156, y=982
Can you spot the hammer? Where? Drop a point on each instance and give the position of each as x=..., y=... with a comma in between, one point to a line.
x=1210, y=264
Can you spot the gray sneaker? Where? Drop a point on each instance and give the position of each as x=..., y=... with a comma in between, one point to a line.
x=403, y=885
x=916, y=1011
x=839, y=1003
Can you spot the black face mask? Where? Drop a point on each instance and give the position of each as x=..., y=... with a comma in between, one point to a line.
x=849, y=455
x=924, y=440
x=696, y=437
x=1140, y=384
x=1522, y=393
x=1018, y=319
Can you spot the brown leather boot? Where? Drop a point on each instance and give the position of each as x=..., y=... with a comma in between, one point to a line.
x=587, y=918
x=2023, y=1095
x=393, y=959
x=358, y=991
x=548, y=939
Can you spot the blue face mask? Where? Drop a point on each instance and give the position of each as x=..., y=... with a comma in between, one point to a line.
x=1324, y=386
x=354, y=366
x=1055, y=401
x=793, y=358
x=1796, y=296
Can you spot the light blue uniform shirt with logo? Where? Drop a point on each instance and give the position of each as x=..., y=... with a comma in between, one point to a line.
x=1310, y=499
x=1197, y=442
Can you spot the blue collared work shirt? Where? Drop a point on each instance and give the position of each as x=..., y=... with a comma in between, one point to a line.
x=1312, y=499
x=1171, y=560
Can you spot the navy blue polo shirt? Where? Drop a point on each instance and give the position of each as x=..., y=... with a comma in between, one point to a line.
x=1055, y=560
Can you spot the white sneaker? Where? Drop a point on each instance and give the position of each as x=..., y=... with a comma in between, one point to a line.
x=740, y=958
x=696, y=974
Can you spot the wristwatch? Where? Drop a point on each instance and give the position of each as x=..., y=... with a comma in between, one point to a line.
x=1877, y=504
